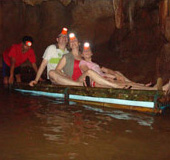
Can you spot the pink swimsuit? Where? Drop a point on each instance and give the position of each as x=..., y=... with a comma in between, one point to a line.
x=93, y=66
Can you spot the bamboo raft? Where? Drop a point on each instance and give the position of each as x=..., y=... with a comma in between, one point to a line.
x=137, y=100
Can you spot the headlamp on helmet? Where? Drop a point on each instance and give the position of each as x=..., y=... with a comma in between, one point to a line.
x=28, y=43
x=86, y=46
x=72, y=36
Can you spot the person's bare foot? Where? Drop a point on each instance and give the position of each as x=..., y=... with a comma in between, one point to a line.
x=150, y=84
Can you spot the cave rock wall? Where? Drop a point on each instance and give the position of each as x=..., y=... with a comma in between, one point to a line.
x=119, y=30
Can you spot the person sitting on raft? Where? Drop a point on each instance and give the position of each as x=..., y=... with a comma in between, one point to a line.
x=108, y=74
x=73, y=76
x=68, y=71
x=52, y=55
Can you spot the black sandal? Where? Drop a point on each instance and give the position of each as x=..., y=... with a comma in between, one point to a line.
x=127, y=87
x=87, y=81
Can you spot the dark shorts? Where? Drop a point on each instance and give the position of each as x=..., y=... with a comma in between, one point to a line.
x=6, y=69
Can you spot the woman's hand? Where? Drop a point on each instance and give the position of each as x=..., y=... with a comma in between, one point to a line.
x=32, y=83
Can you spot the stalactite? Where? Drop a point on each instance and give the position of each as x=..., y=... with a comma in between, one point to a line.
x=65, y=2
x=141, y=3
x=163, y=13
x=118, y=9
x=131, y=8
x=23, y=15
x=77, y=1
x=33, y=2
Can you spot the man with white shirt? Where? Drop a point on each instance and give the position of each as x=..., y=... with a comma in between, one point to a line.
x=52, y=55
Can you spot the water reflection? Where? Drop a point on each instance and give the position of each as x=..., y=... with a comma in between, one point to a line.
x=36, y=128
x=141, y=119
x=67, y=126
x=74, y=124
x=117, y=114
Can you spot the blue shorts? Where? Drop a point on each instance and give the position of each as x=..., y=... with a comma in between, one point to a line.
x=6, y=69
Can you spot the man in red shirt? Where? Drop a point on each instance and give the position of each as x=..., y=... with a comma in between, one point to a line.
x=16, y=55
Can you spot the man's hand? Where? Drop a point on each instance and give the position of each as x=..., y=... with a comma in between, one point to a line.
x=32, y=83
x=11, y=80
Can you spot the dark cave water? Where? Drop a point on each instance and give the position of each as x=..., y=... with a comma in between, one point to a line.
x=41, y=128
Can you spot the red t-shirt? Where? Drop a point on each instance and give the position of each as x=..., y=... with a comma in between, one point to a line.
x=15, y=52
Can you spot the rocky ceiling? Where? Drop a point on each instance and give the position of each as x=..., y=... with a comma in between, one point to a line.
x=64, y=2
x=127, y=30
x=119, y=7
x=67, y=2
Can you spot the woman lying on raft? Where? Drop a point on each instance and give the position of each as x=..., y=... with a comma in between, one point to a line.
x=108, y=74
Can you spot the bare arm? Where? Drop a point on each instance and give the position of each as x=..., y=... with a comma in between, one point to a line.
x=41, y=69
x=61, y=65
x=39, y=72
x=108, y=71
x=12, y=67
x=119, y=76
x=84, y=68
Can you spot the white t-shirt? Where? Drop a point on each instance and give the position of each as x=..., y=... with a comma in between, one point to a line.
x=53, y=55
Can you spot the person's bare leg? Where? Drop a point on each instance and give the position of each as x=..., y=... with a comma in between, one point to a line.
x=125, y=79
x=18, y=78
x=5, y=80
x=134, y=85
x=57, y=78
x=82, y=79
x=138, y=86
x=102, y=81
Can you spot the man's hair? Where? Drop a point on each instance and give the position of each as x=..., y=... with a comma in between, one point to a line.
x=27, y=38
